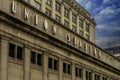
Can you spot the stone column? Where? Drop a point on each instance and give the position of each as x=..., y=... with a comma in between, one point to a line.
x=84, y=28
x=84, y=73
x=100, y=76
x=53, y=9
x=77, y=24
x=45, y=66
x=60, y=69
x=43, y=6
x=4, y=48
x=70, y=18
x=27, y=57
x=92, y=75
x=73, y=71
x=62, y=11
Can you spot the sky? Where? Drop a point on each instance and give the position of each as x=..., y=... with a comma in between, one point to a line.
x=107, y=17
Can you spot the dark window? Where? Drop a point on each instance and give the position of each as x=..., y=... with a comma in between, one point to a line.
x=50, y=63
x=58, y=18
x=48, y=12
x=66, y=13
x=12, y=50
x=19, y=52
x=69, y=69
x=33, y=57
x=87, y=27
x=74, y=18
x=76, y=72
x=80, y=32
x=88, y=75
x=80, y=72
x=39, y=59
x=55, y=65
x=58, y=7
x=74, y=28
x=37, y=5
x=64, y=67
x=81, y=23
x=66, y=23
x=97, y=77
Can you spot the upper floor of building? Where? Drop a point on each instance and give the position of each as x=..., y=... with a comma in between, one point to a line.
x=68, y=13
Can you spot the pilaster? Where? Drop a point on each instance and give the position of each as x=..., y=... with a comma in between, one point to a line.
x=4, y=47
x=62, y=11
x=73, y=71
x=70, y=18
x=45, y=66
x=92, y=75
x=84, y=74
x=43, y=6
x=84, y=28
x=27, y=63
x=77, y=24
x=60, y=69
x=53, y=9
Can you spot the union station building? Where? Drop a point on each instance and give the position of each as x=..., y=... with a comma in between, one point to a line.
x=51, y=40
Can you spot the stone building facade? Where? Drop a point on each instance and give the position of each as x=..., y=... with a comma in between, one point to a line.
x=51, y=40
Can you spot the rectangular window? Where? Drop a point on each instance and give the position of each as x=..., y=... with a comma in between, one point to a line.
x=74, y=18
x=39, y=59
x=104, y=78
x=96, y=77
x=74, y=28
x=58, y=18
x=15, y=51
x=58, y=7
x=53, y=63
x=88, y=75
x=87, y=27
x=50, y=63
x=66, y=13
x=66, y=23
x=66, y=68
x=48, y=12
x=49, y=2
x=11, y=50
x=69, y=69
x=37, y=5
x=78, y=72
x=19, y=53
x=80, y=32
x=87, y=36
x=80, y=23
x=33, y=57
x=36, y=58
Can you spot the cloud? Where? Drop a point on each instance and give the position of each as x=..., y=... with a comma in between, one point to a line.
x=102, y=42
x=106, y=1
x=108, y=10
x=88, y=5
